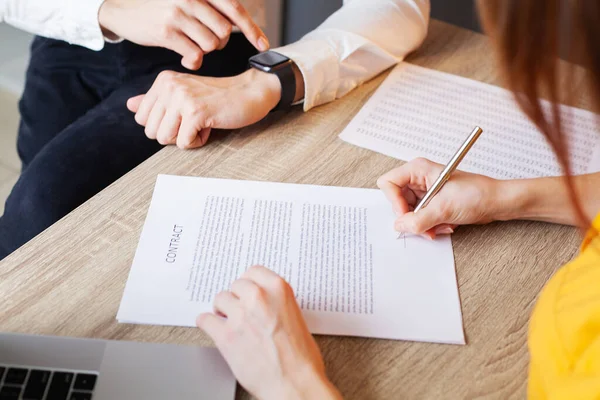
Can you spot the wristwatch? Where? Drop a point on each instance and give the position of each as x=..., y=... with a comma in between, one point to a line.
x=278, y=64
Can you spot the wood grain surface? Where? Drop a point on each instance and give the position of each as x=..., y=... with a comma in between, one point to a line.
x=70, y=279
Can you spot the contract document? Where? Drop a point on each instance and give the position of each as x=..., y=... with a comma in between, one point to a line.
x=335, y=246
x=419, y=112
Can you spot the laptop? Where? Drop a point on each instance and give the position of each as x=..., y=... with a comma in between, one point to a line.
x=60, y=368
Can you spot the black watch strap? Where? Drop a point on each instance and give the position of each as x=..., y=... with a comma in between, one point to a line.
x=288, y=86
x=274, y=63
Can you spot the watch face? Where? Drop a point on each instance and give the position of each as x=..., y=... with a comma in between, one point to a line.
x=269, y=60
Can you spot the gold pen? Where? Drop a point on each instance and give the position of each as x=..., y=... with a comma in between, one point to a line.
x=448, y=170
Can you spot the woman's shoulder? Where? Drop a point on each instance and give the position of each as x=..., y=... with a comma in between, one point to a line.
x=564, y=333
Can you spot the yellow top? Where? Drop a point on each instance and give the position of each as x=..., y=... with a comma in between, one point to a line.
x=564, y=333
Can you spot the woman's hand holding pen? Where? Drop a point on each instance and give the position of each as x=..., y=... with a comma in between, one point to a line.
x=476, y=199
x=464, y=199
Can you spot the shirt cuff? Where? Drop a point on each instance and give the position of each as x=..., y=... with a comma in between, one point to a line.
x=84, y=17
x=113, y=40
x=319, y=67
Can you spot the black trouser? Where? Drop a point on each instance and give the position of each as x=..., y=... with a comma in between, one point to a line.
x=76, y=135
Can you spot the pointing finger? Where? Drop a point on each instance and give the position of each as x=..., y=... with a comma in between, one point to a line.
x=240, y=17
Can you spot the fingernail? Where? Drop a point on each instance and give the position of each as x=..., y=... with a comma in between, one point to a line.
x=263, y=44
x=444, y=231
x=396, y=211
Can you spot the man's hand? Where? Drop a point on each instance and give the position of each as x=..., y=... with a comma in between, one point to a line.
x=191, y=28
x=260, y=331
x=182, y=108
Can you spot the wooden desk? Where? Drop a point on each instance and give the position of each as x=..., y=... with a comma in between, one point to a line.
x=69, y=280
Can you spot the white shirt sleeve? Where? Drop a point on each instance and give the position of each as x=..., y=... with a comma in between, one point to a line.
x=356, y=43
x=74, y=21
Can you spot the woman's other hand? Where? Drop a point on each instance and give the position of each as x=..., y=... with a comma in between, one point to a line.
x=261, y=333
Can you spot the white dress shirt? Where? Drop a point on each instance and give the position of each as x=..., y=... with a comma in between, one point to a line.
x=353, y=45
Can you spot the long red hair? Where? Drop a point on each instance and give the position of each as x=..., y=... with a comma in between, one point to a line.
x=528, y=37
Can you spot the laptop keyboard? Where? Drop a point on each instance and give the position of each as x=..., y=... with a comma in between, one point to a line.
x=19, y=383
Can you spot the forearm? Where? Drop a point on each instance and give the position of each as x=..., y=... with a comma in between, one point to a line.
x=547, y=199
x=309, y=385
x=324, y=390
x=315, y=390
x=356, y=43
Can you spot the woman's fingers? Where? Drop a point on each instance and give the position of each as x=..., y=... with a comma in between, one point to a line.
x=392, y=184
x=420, y=222
x=439, y=230
x=444, y=229
x=405, y=185
x=262, y=276
x=227, y=304
x=395, y=196
x=410, y=196
x=244, y=288
x=213, y=325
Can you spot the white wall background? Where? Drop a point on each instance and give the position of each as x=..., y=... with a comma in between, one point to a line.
x=14, y=54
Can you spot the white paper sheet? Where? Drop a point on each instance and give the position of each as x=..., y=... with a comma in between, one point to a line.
x=336, y=246
x=418, y=112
